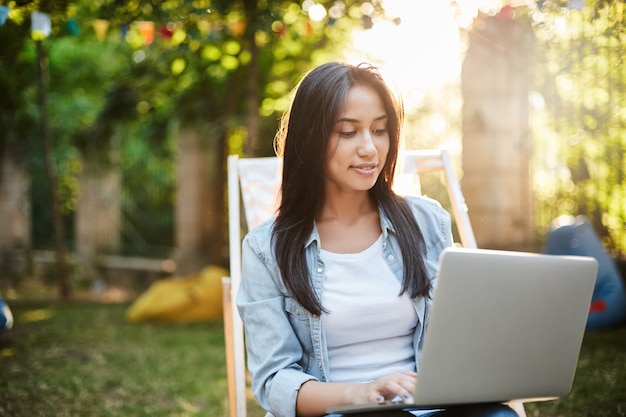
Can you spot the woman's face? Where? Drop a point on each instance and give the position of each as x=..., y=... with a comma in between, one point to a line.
x=358, y=149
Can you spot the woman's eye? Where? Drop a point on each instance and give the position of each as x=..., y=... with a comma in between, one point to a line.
x=380, y=132
x=347, y=134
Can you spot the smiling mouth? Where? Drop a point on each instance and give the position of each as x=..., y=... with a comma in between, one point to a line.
x=368, y=168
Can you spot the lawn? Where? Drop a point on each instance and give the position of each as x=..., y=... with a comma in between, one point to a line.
x=85, y=359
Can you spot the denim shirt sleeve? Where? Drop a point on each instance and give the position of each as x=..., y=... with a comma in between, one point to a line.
x=275, y=351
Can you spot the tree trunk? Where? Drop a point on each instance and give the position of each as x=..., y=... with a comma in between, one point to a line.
x=496, y=134
x=195, y=216
x=64, y=290
x=253, y=120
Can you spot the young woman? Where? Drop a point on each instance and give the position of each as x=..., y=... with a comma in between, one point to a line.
x=335, y=291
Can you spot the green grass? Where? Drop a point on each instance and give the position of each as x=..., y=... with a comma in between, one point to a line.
x=599, y=388
x=85, y=359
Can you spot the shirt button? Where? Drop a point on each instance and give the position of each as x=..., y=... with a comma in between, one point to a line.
x=391, y=257
x=320, y=270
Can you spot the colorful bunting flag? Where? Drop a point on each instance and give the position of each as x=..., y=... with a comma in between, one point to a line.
x=40, y=24
x=577, y=4
x=166, y=31
x=101, y=27
x=124, y=29
x=4, y=14
x=147, y=32
x=71, y=26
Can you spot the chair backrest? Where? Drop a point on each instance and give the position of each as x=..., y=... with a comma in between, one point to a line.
x=260, y=187
x=416, y=162
x=256, y=182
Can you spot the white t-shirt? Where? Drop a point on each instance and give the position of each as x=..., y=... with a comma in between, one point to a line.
x=369, y=328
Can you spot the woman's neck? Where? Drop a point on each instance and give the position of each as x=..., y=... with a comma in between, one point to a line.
x=348, y=223
x=346, y=207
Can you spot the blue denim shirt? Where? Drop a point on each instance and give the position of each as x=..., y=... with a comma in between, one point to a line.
x=285, y=343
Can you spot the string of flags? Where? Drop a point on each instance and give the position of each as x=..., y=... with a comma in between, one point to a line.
x=139, y=32
x=142, y=32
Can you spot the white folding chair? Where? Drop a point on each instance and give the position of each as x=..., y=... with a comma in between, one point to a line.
x=416, y=162
x=256, y=181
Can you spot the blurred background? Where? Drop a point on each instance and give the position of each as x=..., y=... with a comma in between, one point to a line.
x=116, y=118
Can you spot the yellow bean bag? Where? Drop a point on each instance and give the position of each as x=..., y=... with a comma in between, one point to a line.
x=195, y=298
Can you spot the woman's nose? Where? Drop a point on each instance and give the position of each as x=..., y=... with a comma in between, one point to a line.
x=366, y=145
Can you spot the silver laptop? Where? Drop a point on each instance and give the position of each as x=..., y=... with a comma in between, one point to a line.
x=504, y=326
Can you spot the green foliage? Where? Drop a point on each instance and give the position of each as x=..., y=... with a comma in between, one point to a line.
x=12, y=77
x=67, y=166
x=207, y=57
x=148, y=156
x=220, y=65
x=205, y=54
x=579, y=121
x=80, y=71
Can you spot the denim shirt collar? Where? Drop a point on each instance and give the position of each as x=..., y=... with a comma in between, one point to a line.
x=314, y=237
x=385, y=224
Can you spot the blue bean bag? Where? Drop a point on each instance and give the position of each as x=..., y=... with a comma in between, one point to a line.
x=575, y=236
x=6, y=318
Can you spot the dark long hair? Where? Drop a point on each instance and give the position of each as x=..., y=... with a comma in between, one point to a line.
x=302, y=140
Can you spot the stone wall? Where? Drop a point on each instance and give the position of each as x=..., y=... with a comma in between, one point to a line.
x=15, y=228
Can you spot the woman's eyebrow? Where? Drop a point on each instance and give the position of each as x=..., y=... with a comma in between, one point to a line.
x=351, y=120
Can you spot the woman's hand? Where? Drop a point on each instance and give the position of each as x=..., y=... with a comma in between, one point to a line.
x=314, y=397
x=386, y=388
